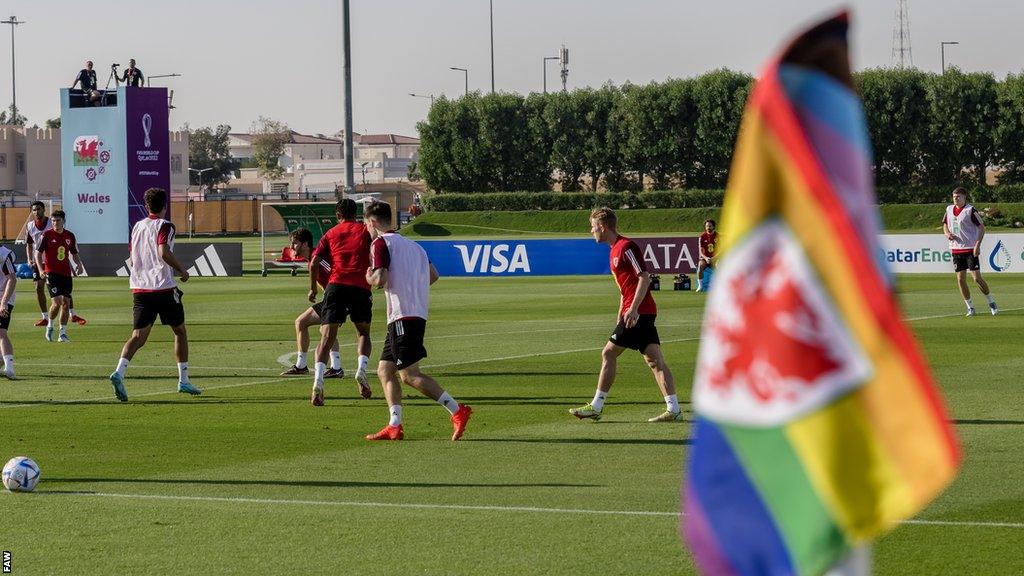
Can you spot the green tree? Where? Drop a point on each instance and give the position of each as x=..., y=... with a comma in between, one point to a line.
x=1010, y=132
x=12, y=117
x=566, y=119
x=962, y=130
x=897, y=113
x=53, y=123
x=505, y=141
x=208, y=148
x=660, y=142
x=601, y=153
x=719, y=98
x=268, y=142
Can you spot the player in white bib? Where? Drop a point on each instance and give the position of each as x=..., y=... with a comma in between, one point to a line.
x=36, y=226
x=965, y=230
x=400, y=266
x=154, y=291
x=8, y=281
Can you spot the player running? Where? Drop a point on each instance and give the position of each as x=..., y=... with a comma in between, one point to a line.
x=154, y=291
x=347, y=247
x=34, y=229
x=965, y=231
x=401, y=268
x=635, y=328
x=57, y=247
x=302, y=245
x=8, y=281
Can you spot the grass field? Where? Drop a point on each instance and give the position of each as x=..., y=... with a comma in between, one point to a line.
x=250, y=479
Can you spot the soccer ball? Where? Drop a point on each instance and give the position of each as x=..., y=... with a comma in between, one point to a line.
x=21, y=474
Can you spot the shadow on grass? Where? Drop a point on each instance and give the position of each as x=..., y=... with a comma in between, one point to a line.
x=624, y=441
x=319, y=483
x=427, y=229
x=980, y=422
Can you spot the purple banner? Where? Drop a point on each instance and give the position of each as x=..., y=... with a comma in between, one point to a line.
x=148, y=154
x=669, y=255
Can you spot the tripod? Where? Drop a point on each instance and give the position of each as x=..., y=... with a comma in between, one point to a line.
x=106, y=89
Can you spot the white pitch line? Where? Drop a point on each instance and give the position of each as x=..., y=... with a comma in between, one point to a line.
x=957, y=315
x=483, y=508
x=537, y=354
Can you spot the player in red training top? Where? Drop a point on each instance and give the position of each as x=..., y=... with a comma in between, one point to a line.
x=635, y=328
x=707, y=244
x=965, y=230
x=34, y=229
x=347, y=248
x=58, y=247
x=301, y=240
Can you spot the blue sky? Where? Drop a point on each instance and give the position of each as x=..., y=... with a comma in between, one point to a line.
x=242, y=59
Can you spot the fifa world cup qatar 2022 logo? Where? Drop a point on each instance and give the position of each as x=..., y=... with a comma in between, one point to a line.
x=89, y=151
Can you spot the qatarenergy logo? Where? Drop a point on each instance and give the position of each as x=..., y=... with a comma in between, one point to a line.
x=1000, y=258
x=921, y=255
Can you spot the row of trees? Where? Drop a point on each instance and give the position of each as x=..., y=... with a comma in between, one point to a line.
x=208, y=148
x=925, y=129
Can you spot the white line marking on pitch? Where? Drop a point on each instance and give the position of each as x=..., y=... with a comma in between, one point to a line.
x=484, y=508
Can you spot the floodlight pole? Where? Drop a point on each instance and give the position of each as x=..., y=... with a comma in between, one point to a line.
x=492, y=46
x=14, y=22
x=546, y=58
x=350, y=181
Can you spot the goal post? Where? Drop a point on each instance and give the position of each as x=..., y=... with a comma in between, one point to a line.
x=317, y=217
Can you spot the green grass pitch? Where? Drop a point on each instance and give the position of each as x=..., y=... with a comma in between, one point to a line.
x=251, y=479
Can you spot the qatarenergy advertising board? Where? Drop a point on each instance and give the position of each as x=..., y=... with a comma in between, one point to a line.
x=910, y=253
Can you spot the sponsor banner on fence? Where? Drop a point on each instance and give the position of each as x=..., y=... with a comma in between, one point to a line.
x=575, y=256
x=200, y=259
x=912, y=253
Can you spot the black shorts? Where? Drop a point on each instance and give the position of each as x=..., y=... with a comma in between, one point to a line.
x=318, y=308
x=965, y=261
x=342, y=301
x=166, y=304
x=58, y=285
x=5, y=321
x=639, y=337
x=404, y=343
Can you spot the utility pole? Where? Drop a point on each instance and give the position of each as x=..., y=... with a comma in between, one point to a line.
x=350, y=178
x=13, y=21
x=546, y=58
x=492, y=46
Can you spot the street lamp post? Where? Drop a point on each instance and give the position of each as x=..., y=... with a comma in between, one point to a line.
x=492, y=46
x=148, y=78
x=466, y=72
x=13, y=21
x=546, y=58
x=200, y=172
x=431, y=96
x=943, y=51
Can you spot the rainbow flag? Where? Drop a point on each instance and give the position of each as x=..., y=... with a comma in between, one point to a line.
x=818, y=424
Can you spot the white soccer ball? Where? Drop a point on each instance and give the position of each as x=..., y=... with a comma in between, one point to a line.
x=21, y=474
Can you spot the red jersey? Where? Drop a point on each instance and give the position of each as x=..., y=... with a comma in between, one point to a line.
x=708, y=243
x=347, y=248
x=57, y=249
x=627, y=264
x=323, y=274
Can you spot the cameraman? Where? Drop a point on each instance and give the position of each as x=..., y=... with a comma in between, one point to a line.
x=132, y=75
x=87, y=78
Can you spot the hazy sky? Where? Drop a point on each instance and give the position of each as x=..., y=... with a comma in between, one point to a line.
x=243, y=58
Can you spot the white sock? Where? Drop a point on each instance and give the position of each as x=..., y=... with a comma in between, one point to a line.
x=970, y=304
x=318, y=374
x=183, y=372
x=300, y=362
x=73, y=312
x=64, y=329
x=49, y=322
x=9, y=363
x=700, y=285
x=335, y=360
x=122, y=366
x=396, y=415
x=362, y=362
x=448, y=402
x=672, y=403
x=991, y=300
x=45, y=316
x=598, y=401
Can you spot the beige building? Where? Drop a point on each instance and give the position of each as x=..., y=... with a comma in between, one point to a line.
x=30, y=162
x=315, y=165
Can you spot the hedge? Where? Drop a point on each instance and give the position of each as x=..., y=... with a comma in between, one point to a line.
x=515, y=201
